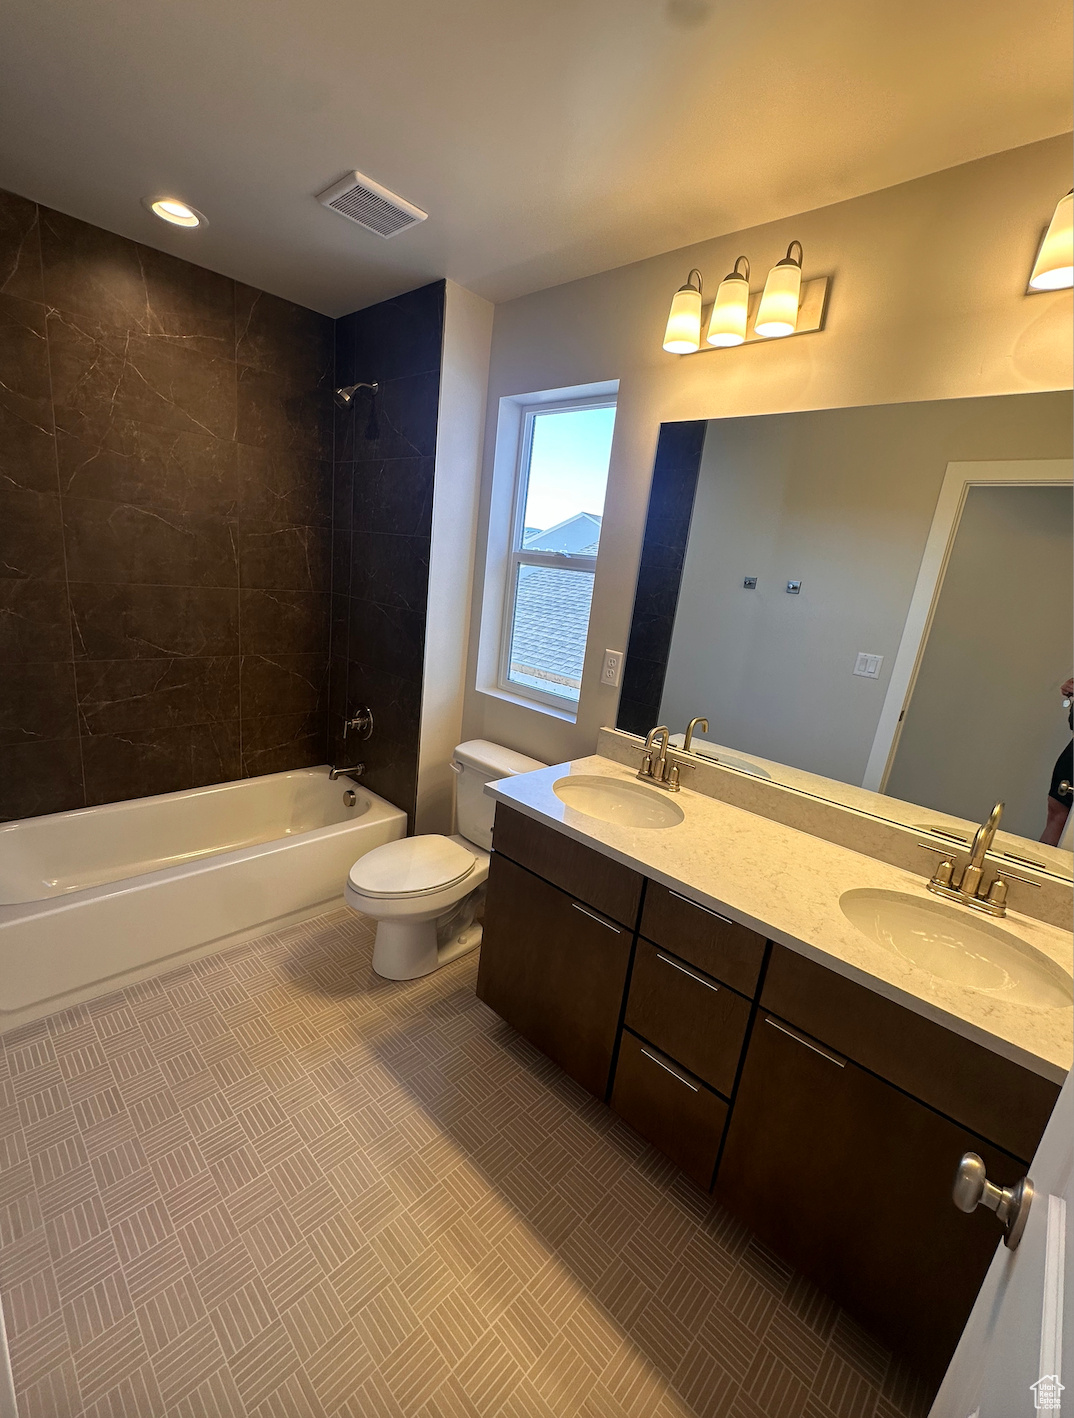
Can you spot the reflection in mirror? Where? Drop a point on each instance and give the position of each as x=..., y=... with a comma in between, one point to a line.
x=917, y=669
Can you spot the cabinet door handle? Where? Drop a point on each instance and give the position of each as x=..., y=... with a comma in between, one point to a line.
x=667, y=1069
x=599, y=919
x=698, y=906
x=809, y=1044
x=678, y=965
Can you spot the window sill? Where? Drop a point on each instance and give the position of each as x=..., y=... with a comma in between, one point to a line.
x=525, y=703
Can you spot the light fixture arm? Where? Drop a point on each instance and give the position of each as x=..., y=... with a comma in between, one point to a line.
x=790, y=260
x=735, y=272
x=700, y=287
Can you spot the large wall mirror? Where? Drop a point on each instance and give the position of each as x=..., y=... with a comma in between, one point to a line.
x=871, y=605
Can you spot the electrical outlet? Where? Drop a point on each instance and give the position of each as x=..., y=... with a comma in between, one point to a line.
x=612, y=668
x=868, y=666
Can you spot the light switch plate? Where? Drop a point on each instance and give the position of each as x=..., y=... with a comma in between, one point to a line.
x=794, y=588
x=868, y=666
x=612, y=668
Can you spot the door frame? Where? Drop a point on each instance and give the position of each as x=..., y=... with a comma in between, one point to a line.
x=959, y=478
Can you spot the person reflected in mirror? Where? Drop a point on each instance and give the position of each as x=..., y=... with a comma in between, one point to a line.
x=1061, y=793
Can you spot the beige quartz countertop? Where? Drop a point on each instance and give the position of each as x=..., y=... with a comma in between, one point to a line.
x=786, y=885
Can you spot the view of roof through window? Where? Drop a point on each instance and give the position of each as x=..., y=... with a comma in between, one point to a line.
x=565, y=485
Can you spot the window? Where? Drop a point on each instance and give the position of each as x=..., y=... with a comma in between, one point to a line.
x=562, y=473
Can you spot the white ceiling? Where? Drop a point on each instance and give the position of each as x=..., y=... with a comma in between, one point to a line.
x=547, y=140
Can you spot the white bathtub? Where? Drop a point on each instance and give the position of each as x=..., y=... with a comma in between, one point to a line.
x=101, y=896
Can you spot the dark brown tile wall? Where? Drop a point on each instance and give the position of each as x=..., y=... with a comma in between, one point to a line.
x=166, y=444
x=385, y=448
x=663, y=553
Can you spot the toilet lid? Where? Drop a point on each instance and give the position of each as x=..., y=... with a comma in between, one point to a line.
x=412, y=866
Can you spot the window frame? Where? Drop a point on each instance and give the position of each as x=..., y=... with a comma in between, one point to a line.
x=517, y=556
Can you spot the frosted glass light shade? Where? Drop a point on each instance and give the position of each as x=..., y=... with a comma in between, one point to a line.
x=727, y=324
x=1054, y=266
x=683, y=334
x=777, y=314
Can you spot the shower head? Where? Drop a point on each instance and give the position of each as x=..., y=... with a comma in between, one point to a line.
x=345, y=396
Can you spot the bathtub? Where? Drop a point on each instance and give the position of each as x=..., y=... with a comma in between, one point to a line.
x=100, y=897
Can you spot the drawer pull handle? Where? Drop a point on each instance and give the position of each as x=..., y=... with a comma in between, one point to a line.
x=698, y=906
x=678, y=965
x=798, y=1039
x=599, y=919
x=692, y=1087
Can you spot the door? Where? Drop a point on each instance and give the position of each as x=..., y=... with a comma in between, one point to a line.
x=555, y=969
x=1020, y=1334
x=849, y=1178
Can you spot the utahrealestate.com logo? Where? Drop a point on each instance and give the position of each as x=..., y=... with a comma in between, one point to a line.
x=1046, y=1393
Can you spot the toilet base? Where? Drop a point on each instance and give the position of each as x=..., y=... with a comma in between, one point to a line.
x=406, y=950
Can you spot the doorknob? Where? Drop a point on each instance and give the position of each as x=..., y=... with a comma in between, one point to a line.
x=1011, y=1204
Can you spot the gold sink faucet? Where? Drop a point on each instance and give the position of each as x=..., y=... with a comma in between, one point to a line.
x=655, y=767
x=699, y=722
x=968, y=885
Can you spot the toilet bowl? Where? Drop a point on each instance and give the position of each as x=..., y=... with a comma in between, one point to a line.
x=426, y=893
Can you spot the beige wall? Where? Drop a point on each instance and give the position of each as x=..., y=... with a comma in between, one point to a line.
x=843, y=500
x=927, y=302
x=464, y=369
x=986, y=721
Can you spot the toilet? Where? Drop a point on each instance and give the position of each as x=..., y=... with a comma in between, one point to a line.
x=425, y=892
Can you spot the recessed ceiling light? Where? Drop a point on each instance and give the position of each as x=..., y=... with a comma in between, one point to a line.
x=170, y=209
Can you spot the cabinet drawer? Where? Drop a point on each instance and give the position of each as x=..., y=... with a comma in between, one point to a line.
x=555, y=970
x=610, y=887
x=988, y=1094
x=730, y=952
x=676, y=1112
x=700, y=1023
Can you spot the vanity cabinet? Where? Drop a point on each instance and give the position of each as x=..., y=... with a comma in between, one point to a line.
x=554, y=965
x=833, y=1118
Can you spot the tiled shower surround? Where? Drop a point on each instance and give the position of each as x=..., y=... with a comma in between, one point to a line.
x=166, y=513
x=382, y=528
x=270, y=1184
x=165, y=453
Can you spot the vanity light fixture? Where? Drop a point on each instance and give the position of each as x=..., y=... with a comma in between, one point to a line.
x=170, y=209
x=683, y=333
x=788, y=305
x=1054, y=266
x=727, y=325
x=778, y=312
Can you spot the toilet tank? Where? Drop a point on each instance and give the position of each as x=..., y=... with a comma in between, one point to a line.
x=476, y=763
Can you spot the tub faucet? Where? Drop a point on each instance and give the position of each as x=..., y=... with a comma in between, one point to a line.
x=354, y=773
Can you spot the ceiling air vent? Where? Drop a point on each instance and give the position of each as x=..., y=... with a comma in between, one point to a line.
x=364, y=201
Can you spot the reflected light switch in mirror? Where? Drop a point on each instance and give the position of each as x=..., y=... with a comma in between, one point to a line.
x=868, y=665
x=794, y=588
x=750, y=583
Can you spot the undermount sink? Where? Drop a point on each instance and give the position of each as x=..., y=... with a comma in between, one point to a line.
x=612, y=800
x=950, y=944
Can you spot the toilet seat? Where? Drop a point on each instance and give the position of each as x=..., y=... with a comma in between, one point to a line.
x=411, y=867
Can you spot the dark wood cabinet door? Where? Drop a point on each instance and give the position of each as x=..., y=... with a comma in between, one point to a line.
x=589, y=876
x=675, y=1111
x=850, y=1180
x=555, y=969
x=987, y=1093
x=698, y=1022
x=722, y=948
